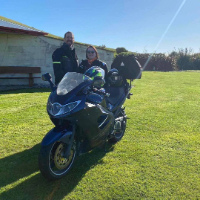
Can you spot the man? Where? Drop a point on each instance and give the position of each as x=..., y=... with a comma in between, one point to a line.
x=65, y=58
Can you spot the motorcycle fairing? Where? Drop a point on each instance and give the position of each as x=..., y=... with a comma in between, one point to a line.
x=96, y=99
x=96, y=123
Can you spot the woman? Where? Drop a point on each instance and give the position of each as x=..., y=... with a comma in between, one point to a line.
x=92, y=60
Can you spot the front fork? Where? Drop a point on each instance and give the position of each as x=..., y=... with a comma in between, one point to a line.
x=70, y=143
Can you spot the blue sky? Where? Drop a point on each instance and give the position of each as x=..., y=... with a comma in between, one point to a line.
x=137, y=25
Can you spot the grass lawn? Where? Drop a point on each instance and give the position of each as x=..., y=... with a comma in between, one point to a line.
x=158, y=158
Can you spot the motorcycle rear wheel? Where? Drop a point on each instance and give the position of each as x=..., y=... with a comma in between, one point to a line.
x=117, y=136
x=52, y=164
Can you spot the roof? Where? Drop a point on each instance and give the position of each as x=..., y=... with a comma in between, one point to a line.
x=8, y=25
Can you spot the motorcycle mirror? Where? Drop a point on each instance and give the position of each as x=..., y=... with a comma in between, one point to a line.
x=46, y=77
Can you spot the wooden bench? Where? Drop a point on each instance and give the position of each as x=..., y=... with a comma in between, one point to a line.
x=20, y=70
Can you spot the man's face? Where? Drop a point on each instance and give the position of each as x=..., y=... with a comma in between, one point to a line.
x=69, y=39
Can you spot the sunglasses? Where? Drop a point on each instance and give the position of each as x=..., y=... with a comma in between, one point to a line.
x=90, y=52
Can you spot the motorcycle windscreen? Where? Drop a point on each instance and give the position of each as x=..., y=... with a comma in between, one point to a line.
x=70, y=81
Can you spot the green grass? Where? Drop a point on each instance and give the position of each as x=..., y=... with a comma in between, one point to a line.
x=158, y=158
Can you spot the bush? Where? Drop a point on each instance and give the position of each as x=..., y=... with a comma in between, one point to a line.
x=195, y=60
x=102, y=46
x=183, y=62
x=156, y=62
x=121, y=49
x=183, y=59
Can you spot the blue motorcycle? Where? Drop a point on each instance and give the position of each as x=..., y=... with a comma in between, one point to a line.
x=85, y=114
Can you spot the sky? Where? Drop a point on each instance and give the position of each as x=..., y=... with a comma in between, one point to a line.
x=144, y=26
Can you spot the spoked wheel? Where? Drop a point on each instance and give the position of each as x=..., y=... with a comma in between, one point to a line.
x=52, y=163
x=118, y=134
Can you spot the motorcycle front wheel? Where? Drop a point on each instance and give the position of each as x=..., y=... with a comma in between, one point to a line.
x=52, y=164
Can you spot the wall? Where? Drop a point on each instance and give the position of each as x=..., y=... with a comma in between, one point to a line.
x=36, y=51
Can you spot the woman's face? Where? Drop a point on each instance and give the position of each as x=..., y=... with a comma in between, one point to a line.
x=91, y=53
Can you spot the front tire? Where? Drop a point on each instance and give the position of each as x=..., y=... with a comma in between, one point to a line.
x=52, y=164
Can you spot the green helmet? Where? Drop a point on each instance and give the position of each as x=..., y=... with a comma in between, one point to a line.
x=98, y=74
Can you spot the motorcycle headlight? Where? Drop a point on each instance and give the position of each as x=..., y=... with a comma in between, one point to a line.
x=56, y=109
x=70, y=106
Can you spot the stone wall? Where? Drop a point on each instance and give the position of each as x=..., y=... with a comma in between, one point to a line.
x=36, y=51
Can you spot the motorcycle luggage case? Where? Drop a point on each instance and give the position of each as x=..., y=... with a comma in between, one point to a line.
x=128, y=66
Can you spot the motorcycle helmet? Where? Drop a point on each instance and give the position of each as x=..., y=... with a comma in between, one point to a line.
x=97, y=74
x=114, y=79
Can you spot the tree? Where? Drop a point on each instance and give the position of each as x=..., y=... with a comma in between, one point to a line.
x=121, y=49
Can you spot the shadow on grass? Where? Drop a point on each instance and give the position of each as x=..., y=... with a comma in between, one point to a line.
x=18, y=165
x=25, y=164
x=28, y=90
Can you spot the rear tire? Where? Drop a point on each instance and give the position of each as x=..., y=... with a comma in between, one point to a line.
x=52, y=164
x=117, y=136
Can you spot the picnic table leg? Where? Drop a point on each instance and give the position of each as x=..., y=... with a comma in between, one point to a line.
x=31, y=80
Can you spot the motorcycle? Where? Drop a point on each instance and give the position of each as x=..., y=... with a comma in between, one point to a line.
x=85, y=117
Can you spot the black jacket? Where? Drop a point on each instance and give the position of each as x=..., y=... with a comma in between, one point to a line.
x=84, y=66
x=64, y=60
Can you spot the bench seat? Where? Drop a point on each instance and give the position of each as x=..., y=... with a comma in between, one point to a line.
x=20, y=70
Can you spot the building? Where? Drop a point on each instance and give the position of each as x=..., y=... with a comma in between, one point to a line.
x=21, y=45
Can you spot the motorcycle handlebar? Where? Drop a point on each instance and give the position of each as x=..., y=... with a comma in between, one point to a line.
x=101, y=91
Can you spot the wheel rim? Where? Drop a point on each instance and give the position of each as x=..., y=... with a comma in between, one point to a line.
x=57, y=163
x=61, y=162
